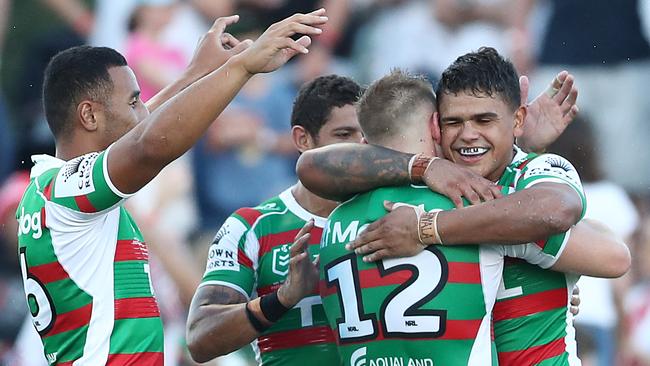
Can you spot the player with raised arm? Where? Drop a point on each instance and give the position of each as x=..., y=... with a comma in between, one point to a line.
x=83, y=259
x=609, y=259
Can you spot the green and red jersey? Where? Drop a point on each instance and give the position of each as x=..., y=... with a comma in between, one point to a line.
x=250, y=254
x=532, y=321
x=430, y=309
x=85, y=267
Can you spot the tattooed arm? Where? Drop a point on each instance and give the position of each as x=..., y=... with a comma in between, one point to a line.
x=214, y=313
x=218, y=322
x=339, y=171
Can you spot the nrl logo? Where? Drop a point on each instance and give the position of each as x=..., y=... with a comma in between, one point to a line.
x=281, y=259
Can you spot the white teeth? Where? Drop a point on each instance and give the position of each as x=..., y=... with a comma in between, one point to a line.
x=472, y=151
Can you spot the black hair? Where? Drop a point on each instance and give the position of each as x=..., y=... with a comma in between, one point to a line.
x=73, y=75
x=317, y=98
x=484, y=72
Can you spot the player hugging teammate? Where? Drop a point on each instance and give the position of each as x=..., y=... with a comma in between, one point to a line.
x=425, y=284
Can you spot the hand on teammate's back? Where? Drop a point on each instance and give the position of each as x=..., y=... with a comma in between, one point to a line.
x=575, y=301
x=455, y=182
x=394, y=235
x=550, y=113
x=303, y=273
x=275, y=46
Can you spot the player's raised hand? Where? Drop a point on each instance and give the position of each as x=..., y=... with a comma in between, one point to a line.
x=303, y=273
x=394, y=235
x=455, y=182
x=550, y=113
x=216, y=47
x=275, y=46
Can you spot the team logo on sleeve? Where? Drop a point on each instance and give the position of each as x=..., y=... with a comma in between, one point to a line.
x=222, y=256
x=552, y=166
x=281, y=257
x=75, y=177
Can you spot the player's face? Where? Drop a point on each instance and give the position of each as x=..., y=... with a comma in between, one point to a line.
x=479, y=132
x=124, y=108
x=342, y=126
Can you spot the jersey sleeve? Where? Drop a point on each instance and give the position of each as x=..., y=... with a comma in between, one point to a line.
x=551, y=168
x=231, y=257
x=543, y=253
x=83, y=185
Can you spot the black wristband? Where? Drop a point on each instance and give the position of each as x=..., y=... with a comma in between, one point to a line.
x=271, y=307
x=256, y=323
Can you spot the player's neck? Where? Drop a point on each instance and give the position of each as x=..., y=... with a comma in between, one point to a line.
x=410, y=144
x=67, y=150
x=311, y=202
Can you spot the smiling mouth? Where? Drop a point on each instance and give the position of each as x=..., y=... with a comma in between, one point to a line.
x=472, y=152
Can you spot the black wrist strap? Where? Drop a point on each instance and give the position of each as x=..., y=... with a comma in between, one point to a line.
x=256, y=323
x=271, y=307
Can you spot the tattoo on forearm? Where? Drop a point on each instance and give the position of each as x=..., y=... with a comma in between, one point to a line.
x=357, y=169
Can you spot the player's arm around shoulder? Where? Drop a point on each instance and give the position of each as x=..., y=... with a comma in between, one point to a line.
x=594, y=250
x=554, y=192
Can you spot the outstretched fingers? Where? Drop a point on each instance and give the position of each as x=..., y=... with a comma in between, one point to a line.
x=221, y=23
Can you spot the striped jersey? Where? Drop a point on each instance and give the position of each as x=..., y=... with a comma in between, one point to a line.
x=532, y=321
x=430, y=309
x=85, y=267
x=250, y=254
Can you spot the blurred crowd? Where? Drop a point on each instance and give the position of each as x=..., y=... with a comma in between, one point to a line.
x=247, y=155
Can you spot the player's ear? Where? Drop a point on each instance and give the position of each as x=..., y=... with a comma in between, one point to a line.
x=302, y=139
x=434, y=125
x=520, y=118
x=87, y=115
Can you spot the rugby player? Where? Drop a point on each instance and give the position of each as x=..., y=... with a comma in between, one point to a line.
x=83, y=259
x=550, y=172
x=249, y=257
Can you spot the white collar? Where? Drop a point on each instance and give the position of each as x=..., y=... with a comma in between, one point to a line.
x=43, y=163
x=519, y=154
x=293, y=206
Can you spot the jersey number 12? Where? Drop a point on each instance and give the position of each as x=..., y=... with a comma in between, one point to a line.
x=400, y=312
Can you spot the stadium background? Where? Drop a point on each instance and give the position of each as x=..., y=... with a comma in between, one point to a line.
x=247, y=156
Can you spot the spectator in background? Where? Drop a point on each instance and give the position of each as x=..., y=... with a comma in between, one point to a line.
x=250, y=139
x=7, y=160
x=437, y=31
x=603, y=45
x=601, y=299
x=112, y=18
x=154, y=63
x=6, y=138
